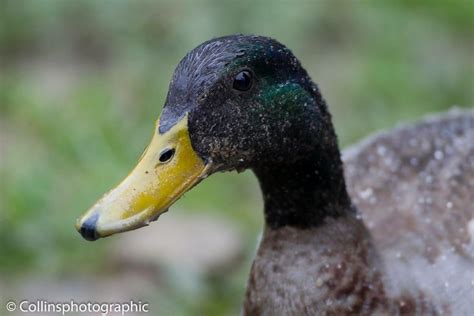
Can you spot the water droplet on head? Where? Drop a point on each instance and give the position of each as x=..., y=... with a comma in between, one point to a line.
x=366, y=193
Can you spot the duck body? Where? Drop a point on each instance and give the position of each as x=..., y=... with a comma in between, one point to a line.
x=410, y=251
x=414, y=187
x=245, y=102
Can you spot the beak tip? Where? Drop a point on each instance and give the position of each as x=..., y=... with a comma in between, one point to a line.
x=88, y=234
x=88, y=228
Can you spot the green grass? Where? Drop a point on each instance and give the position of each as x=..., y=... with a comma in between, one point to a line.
x=83, y=82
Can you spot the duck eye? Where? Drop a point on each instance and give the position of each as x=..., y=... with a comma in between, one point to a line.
x=243, y=81
x=167, y=154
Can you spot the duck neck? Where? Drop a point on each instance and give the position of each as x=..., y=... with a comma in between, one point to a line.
x=302, y=194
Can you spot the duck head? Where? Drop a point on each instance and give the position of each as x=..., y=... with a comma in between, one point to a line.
x=234, y=103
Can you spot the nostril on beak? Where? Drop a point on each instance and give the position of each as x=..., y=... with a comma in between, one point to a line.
x=88, y=228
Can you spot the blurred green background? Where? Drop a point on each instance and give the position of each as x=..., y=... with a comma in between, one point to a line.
x=82, y=83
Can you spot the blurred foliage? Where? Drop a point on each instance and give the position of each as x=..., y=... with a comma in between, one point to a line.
x=82, y=83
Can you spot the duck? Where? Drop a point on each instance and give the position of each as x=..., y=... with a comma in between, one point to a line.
x=385, y=228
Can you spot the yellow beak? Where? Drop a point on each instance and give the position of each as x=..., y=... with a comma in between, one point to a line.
x=168, y=168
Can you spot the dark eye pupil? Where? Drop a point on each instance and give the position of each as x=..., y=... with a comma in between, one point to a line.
x=243, y=81
x=166, y=155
